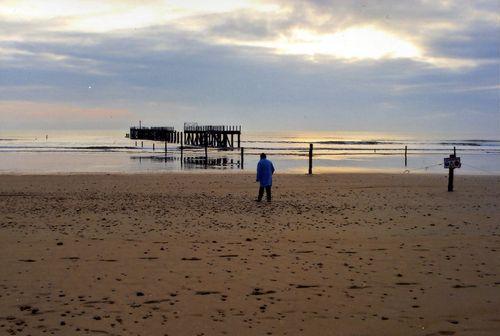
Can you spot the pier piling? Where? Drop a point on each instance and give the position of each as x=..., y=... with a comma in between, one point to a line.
x=206, y=149
x=182, y=148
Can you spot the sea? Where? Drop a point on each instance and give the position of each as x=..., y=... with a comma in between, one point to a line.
x=100, y=151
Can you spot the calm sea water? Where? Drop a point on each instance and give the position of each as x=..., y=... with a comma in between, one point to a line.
x=110, y=151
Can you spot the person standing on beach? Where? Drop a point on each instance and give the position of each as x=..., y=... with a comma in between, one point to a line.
x=265, y=171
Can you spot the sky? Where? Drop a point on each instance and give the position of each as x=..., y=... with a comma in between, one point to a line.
x=318, y=65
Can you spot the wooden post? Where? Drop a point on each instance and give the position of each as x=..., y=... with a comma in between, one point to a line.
x=454, y=151
x=182, y=149
x=406, y=156
x=310, y=159
x=165, y=147
x=450, y=175
x=136, y=144
x=242, y=159
x=153, y=146
x=142, y=144
x=206, y=149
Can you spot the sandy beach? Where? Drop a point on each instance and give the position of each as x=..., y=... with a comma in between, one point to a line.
x=194, y=254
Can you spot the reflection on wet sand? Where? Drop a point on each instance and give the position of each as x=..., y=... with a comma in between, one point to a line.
x=193, y=162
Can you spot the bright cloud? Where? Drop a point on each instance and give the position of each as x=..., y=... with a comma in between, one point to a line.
x=352, y=43
x=356, y=42
x=106, y=16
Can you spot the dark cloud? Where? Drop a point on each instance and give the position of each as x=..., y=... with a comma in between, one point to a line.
x=476, y=42
x=245, y=24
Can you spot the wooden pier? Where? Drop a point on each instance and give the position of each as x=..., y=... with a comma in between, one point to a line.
x=212, y=136
x=166, y=134
x=223, y=137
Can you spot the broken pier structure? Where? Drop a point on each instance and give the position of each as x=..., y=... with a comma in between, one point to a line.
x=212, y=136
x=164, y=133
x=194, y=135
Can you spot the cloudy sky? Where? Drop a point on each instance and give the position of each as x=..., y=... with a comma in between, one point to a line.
x=378, y=65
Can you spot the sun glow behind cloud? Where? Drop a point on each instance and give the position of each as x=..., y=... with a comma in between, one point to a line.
x=355, y=43
x=352, y=43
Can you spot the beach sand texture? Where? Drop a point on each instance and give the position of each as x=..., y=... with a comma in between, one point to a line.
x=193, y=254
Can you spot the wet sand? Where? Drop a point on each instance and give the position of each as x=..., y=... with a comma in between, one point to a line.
x=181, y=254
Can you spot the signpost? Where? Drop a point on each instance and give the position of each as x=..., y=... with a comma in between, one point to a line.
x=451, y=163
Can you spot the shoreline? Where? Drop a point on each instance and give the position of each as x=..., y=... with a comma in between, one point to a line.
x=118, y=162
x=237, y=172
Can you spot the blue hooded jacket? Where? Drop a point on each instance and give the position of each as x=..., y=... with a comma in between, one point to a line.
x=265, y=170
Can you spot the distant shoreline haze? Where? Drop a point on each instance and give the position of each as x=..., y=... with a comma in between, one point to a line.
x=252, y=133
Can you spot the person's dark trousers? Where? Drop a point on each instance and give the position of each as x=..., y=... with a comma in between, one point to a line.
x=261, y=193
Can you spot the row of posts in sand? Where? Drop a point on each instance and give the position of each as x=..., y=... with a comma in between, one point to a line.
x=450, y=163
